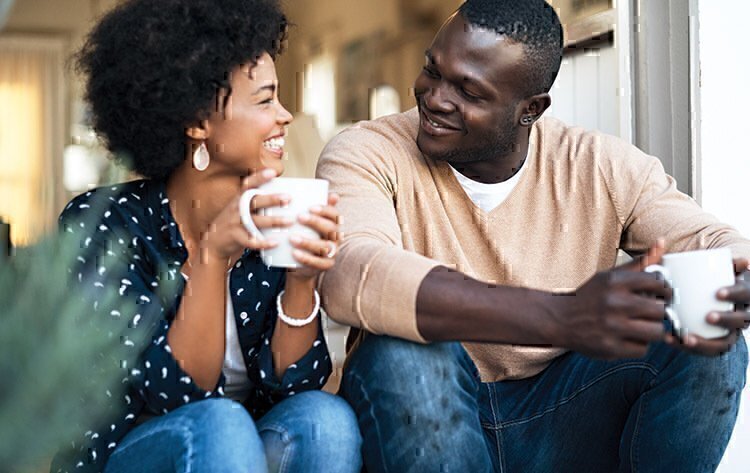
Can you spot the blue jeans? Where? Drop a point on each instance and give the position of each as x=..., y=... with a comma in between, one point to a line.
x=312, y=431
x=423, y=408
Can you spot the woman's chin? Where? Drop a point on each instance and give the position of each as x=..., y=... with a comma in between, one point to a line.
x=275, y=164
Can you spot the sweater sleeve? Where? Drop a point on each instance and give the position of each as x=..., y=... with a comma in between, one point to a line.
x=651, y=207
x=374, y=283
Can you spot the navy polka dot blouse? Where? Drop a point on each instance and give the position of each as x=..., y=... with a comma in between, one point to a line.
x=135, y=226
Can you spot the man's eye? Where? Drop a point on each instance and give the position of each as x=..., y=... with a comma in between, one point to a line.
x=430, y=72
x=469, y=95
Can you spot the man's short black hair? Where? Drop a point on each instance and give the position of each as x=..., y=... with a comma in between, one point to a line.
x=154, y=67
x=532, y=23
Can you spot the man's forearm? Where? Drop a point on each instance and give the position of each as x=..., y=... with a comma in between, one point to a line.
x=452, y=306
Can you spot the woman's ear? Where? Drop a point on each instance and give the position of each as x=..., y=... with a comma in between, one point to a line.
x=199, y=131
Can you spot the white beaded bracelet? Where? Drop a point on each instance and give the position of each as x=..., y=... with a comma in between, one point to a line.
x=298, y=322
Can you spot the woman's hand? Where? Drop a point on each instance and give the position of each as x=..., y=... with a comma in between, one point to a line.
x=317, y=255
x=226, y=237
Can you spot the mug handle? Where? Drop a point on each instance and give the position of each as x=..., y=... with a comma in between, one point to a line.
x=671, y=314
x=246, y=216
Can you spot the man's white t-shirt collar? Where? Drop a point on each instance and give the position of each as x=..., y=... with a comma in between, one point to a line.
x=488, y=196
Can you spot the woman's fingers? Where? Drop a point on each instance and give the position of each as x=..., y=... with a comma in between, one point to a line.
x=263, y=201
x=253, y=242
x=327, y=229
x=257, y=179
x=320, y=248
x=312, y=261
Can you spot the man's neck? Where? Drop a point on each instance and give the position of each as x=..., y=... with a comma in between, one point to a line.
x=499, y=169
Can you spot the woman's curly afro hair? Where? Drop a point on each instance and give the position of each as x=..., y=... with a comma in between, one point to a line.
x=155, y=66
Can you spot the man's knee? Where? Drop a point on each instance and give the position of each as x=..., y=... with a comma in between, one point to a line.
x=398, y=360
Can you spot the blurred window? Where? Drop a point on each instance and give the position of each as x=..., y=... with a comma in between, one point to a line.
x=31, y=134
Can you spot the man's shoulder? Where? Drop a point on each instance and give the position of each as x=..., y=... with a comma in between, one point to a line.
x=388, y=143
x=558, y=140
x=389, y=133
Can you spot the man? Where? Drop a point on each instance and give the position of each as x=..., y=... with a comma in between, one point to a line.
x=471, y=219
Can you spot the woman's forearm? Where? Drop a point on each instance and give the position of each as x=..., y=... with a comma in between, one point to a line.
x=289, y=343
x=197, y=333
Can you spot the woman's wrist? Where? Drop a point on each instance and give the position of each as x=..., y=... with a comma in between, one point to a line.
x=299, y=298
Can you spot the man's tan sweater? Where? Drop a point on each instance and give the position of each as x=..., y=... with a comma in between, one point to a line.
x=582, y=196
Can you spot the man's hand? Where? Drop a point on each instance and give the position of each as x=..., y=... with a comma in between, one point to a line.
x=616, y=313
x=735, y=321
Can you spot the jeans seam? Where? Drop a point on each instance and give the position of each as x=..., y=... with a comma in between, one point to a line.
x=495, y=432
x=578, y=391
x=360, y=383
x=636, y=433
x=285, y=438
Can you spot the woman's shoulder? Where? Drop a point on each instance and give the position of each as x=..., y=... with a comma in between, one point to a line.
x=115, y=205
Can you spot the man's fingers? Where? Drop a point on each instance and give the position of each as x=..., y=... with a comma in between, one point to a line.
x=741, y=265
x=649, y=284
x=739, y=294
x=732, y=320
x=709, y=347
x=643, y=331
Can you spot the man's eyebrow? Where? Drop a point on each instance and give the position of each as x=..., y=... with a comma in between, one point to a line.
x=466, y=79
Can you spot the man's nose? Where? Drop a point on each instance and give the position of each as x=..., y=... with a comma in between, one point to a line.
x=438, y=99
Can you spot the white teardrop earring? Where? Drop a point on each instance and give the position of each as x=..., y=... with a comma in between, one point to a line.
x=201, y=158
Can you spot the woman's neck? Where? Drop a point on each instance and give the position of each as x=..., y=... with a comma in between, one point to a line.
x=196, y=199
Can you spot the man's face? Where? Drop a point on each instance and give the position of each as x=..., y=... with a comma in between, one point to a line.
x=468, y=94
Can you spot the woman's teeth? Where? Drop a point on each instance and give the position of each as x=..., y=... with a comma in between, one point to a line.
x=274, y=144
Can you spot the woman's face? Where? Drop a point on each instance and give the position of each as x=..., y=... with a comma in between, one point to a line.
x=247, y=134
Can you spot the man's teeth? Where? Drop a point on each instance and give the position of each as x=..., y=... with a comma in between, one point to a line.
x=274, y=144
x=436, y=125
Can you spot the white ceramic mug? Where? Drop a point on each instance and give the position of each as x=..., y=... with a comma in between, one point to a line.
x=304, y=194
x=695, y=278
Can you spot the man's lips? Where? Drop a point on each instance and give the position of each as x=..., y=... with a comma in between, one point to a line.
x=434, y=123
x=435, y=126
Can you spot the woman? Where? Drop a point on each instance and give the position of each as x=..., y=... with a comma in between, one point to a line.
x=226, y=380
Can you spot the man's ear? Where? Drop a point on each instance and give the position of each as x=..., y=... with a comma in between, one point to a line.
x=537, y=105
x=534, y=107
x=199, y=131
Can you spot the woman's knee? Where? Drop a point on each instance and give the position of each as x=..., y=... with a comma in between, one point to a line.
x=312, y=428
x=226, y=438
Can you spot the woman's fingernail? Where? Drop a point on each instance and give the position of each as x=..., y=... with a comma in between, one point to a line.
x=713, y=317
x=304, y=218
x=723, y=293
x=316, y=208
x=298, y=254
x=295, y=239
x=268, y=173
